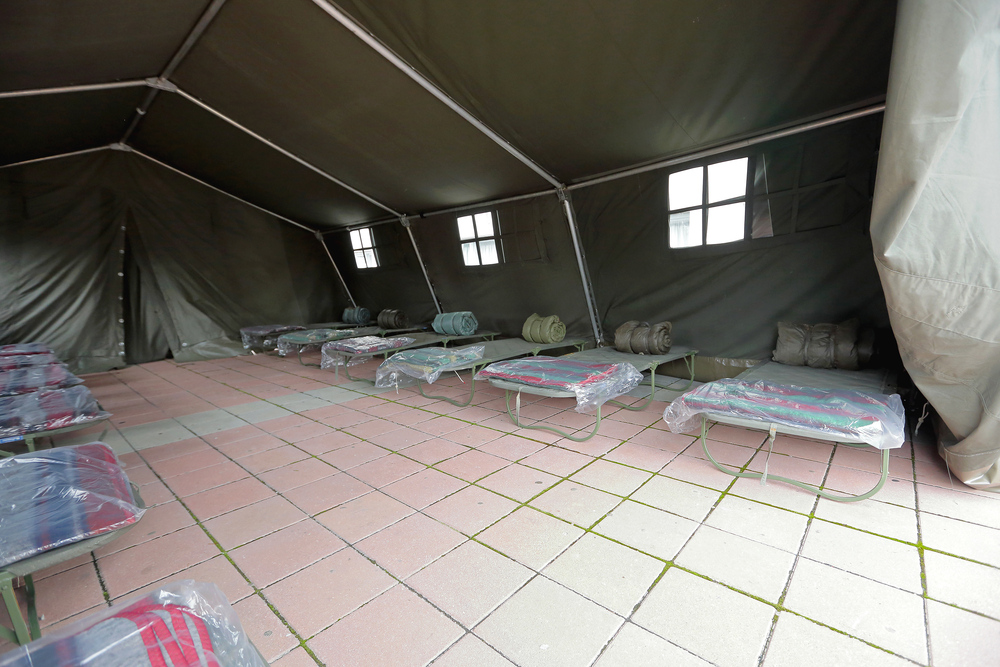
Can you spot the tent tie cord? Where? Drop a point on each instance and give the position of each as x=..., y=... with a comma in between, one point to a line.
x=635, y=337
x=538, y=329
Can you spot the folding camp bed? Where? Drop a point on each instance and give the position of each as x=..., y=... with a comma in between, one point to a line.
x=846, y=407
x=300, y=341
x=642, y=362
x=422, y=339
x=183, y=624
x=265, y=336
x=46, y=413
x=499, y=350
x=56, y=505
x=591, y=384
x=34, y=378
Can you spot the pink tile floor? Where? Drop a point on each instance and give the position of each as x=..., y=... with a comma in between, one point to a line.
x=355, y=529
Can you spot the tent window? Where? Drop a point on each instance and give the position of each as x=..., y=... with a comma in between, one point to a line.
x=707, y=204
x=479, y=235
x=364, y=248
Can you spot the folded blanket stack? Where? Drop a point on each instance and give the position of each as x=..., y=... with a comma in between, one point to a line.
x=313, y=338
x=18, y=349
x=357, y=315
x=876, y=419
x=461, y=323
x=393, y=319
x=265, y=336
x=56, y=497
x=33, y=378
x=538, y=329
x=15, y=361
x=46, y=410
x=636, y=337
x=335, y=351
x=593, y=383
x=425, y=364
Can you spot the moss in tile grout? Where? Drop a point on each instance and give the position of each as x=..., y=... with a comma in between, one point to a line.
x=847, y=634
x=100, y=580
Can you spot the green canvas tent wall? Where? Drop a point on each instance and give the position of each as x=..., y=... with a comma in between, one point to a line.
x=172, y=171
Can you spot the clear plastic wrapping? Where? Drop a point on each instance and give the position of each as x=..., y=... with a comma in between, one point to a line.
x=184, y=623
x=15, y=361
x=461, y=323
x=290, y=342
x=265, y=336
x=46, y=410
x=425, y=364
x=24, y=348
x=593, y=384
x=33, y=378
x=59, y=496
x=855, y=416
x=334, y=352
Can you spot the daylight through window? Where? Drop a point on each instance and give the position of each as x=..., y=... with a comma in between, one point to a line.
x=364, y=248
x=708, y=204
x=480, y=243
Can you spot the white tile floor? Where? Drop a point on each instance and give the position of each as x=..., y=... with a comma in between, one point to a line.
x=350, y=526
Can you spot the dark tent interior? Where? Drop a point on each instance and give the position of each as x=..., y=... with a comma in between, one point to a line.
x=171, y=172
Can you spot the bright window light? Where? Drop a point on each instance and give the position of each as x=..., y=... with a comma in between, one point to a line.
x=702, y=223
x=478, y=233
x=685, y=229
x=726, y=223
x=727, y=180
x=364, y=248
x=685, y=188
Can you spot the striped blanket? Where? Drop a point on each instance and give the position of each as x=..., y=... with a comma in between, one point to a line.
x=593, y=383
x=24, y=348
x=33, y=378
x=15, y=361
x=47, y=410
x=426, y=364
x=876, y=419
x=367, y=344
x=59, y=496
x=184, y=624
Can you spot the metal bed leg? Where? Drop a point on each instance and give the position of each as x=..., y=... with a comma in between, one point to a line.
x=689, y=362
x=517, y=422
x=20, y=633
x=420, y=388
x=652, y=391
x=795, y=482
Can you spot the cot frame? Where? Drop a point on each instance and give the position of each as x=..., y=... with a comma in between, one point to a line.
x=642, y=362
x=443, y=339
x=29, y=438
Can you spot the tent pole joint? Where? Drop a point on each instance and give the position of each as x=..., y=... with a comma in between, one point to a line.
x=159, y=83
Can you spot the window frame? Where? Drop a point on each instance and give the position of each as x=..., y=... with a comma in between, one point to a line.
x=746, y=199
x=476, y=239
x=363, y=248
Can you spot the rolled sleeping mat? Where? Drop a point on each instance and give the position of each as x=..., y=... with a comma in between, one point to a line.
x=357, y=315
x=392, y=319
x=635, y=337
x=461, y=323
x=538, y=329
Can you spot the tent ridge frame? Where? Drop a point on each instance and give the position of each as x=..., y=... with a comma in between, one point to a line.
x=83, y=151
x=348, y=22
x=81, y=88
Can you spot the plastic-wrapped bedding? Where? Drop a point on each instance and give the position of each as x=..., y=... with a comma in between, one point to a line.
x=393, y=319
x=876, y=419
x=538, y=329
x=16, y=361
x=593, y=384
x=424, y=364
x=24, y=348
x=461, y=323
x=184, y=624
x=33, y=378
x=265, y=336
x=47, y=410
x=59, y=496
x=357, y=315
x=335, y=351
x=290, y=342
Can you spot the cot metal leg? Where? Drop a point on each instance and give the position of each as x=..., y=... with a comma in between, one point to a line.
x=298, y=353
x=472, y=392
x=574, y=438
x=652, y=391
x=795, y=482
x=689, y=362
x=20, y=633
x=347, y=373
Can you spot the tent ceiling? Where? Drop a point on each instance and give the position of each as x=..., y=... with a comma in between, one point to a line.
x=579, y=88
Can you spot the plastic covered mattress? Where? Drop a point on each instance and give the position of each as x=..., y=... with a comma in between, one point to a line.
x=24, y=348
x=47, y=410
x=265, y=336
x=59, y=496
x=33, y=378
x=425, y=364
x=16, y=361
x=183, y=624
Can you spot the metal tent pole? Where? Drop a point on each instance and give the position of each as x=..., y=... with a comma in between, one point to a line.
x=55, y=157
x=588, y=293
x=73, y=89
x=424, y=83
x=420, y=260
x=336, y=269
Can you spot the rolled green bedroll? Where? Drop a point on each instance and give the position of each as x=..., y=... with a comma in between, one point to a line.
x=461, y=323
x=538, y=329
x=393, y=319
x=636, y=337
x=357, y=315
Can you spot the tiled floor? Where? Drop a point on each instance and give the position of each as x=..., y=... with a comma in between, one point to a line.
x=350, y=526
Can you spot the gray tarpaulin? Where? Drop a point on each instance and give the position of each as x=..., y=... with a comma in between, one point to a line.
x=79, y=236
x=936, y=221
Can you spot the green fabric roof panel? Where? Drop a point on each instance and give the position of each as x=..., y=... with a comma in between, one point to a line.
x=585, y=88
x=291, y=73
x=47, y=125
x=187, y=137
x=46, y=43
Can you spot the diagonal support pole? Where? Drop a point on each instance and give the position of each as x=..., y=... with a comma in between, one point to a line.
x=336, y=269
x=581, y=262
x=420, y=260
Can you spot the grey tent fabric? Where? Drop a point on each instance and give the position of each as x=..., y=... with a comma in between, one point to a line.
x=935, y=229
x=207, y=264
